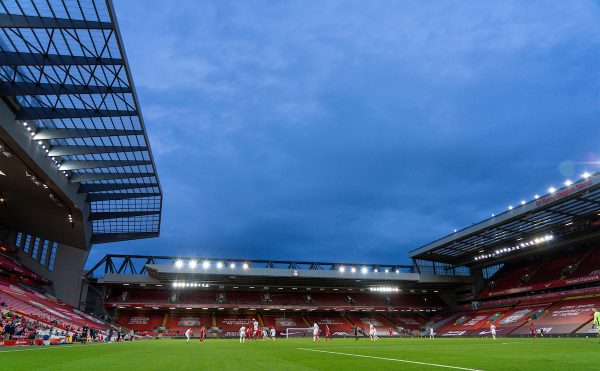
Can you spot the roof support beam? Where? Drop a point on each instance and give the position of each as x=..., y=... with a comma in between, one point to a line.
x=15, y=59
x=40, y=113
x=87, y=150
x=12, y=89
x=120, y=214
x=92, y=177
x=87, y=188
x=78, y=165
x=51, y=133
x=98, y=197
x=114, y=237
x=27, y=21
x=588, y=200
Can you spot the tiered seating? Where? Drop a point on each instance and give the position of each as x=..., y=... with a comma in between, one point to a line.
x=381, y=323
x=337, y=323
x=45, y=309
x=181, y=321
x=407, y=321
x=555, y=268
x=589, y=264
x=510, y=277
x=256, y=298
x=516, y=317
x=141, y=320
x=230, y=323
x=281, y=322
x=471, y=323
x=565, y=316
x=12, y=267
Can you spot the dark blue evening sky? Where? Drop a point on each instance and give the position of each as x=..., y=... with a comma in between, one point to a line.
x=356, y=131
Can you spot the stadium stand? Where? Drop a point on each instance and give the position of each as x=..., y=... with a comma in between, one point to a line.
x=336, y=322
x=141, y=320
x=283, y=321
x=179, y=322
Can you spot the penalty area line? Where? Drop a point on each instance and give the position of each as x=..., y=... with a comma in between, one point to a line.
x=390, y=359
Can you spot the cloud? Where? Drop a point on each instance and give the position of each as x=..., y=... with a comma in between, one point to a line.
x=356, y=130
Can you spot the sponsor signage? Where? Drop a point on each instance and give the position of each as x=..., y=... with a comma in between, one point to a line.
x=540, y=286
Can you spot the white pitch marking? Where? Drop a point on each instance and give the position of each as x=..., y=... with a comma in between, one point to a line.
x=391, y=359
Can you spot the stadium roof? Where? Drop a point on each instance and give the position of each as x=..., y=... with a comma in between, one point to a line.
x=548, y=215
x=64, y=74
x=117, y=269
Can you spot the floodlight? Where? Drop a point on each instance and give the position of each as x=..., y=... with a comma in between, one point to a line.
x=179, y=263
x=245, y=266
x=364, y=269
x=342, y=269
x=192, y=264
x=219, y=265
x=206, y=264
x=586, y=175
x=551, y=190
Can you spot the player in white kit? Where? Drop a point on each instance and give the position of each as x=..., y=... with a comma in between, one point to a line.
x=375, y=336
x=273, y=334
x=255, y=332
x=316, y=333
x=493, y=331
x=431, y=333
x=242, y=334
x=371, y=331
x=188, y=334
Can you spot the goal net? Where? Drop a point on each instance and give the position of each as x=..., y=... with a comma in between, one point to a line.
x=291, y=332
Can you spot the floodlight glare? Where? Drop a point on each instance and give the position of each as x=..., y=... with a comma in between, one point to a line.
x=192, y=264
x=586, y=175
x=353, y=270
x=245, y=266
x=179, y=263
x=551, y=190
x=232, y=265
x=206, y=264
x=568, y=182
x=342, y=269
x=219, y=265
x=364, y=270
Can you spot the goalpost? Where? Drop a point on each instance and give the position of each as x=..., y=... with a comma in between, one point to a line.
x=297, y=332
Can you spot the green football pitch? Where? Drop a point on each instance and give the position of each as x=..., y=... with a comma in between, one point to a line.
x=302, y=354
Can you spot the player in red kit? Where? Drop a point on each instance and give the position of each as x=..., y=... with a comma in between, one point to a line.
x=249, y=332
x=532, y=331
x=390, y=331
x=202, y=333
x=327, y=333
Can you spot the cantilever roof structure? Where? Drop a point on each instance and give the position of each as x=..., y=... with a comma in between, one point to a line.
x=64, y=73
x=555, y=213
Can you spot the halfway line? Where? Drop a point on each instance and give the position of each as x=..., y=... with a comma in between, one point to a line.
x=390, y=359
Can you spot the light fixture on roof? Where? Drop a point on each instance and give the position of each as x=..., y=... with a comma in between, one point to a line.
x=192, y=264
x=232, y=265
x=206, y=264
x=586, y=175
x=551, y=190
x=179, y=263
x=219, y=265
x=510, y=207
x=536, y=196
x=364, y=270
x=342, y=269
x=523, y=202
x=568, y=182
x=353, y=270
x=245, y=266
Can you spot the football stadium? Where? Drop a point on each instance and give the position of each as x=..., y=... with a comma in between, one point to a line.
x=516, y=290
